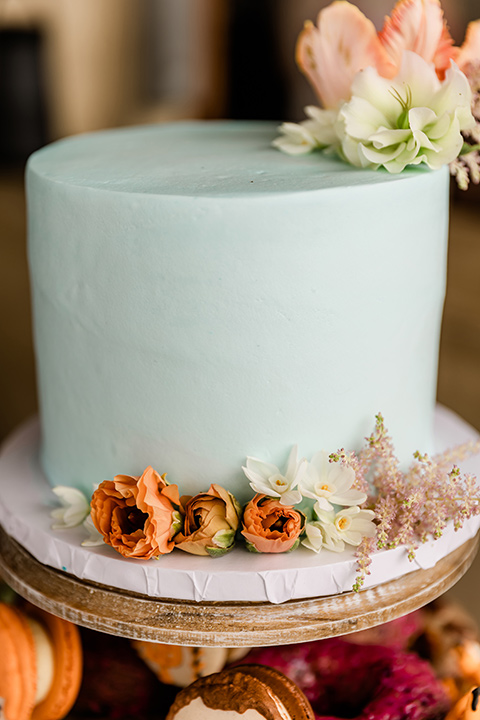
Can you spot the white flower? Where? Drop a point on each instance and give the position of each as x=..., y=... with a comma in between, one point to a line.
x=94, y=537
x=322, y=533
x=313, y=134
x=267, y=479
x=411, y=119
x=314, y=539
x=329, y=483
x=74, y=510
x=351, y=525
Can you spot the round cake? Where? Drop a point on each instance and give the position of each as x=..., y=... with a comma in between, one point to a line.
x=199, y=297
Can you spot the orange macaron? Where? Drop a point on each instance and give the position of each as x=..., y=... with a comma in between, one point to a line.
x=17, y=664
x=40, y=664
x=68, y=663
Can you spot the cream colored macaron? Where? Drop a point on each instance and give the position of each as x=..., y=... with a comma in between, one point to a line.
x=176, y=665
x=45, y=659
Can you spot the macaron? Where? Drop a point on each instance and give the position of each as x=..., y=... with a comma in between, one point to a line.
x=468, y=707
x=255, y=692
x=18, y=674
x=180, y=666
x=67, y=659
x=45, y=659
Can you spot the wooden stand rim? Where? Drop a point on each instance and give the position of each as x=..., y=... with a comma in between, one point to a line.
x=225, y=624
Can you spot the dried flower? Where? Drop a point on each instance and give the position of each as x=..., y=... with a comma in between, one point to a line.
x=211, y=520
x=271, y=527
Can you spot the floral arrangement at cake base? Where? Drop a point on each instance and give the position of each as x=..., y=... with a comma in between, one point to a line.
x=343, y=498
x=400, y=97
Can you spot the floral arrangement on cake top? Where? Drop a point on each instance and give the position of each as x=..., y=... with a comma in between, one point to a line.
x=364, y=500
x=400, y=97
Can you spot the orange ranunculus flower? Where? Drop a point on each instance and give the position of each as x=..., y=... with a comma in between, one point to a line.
x=271, y=527
x=211, y=520
x=135, y=515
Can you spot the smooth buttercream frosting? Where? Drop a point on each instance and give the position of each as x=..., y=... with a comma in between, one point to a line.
x=200, y=297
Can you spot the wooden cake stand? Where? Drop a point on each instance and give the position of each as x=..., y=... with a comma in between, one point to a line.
x=237, y=601
x=225, y=624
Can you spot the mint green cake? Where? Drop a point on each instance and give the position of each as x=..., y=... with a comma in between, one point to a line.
x=200, y=297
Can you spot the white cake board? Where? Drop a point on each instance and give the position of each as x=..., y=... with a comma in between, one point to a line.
x=26, y=500
x=184, y=580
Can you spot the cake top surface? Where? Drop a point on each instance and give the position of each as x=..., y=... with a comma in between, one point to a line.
x=203, y=159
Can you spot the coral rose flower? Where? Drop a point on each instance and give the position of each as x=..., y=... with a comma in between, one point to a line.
x=137, y=515
x=211, y=521
x=271, y=527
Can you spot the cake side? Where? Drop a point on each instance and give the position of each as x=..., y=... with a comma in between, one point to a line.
x=187, y=330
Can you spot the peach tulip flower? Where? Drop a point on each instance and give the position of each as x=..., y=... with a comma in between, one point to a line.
x=469, y=52
x=345, y=42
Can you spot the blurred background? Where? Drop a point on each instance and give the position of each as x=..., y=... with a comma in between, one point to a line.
x=72, y=66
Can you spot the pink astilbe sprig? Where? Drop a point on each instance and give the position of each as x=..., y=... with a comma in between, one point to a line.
x=448, y=458
x=379, y=462
x=364, y=560
x=385, y=514
x=415, y=506
x=350, y=460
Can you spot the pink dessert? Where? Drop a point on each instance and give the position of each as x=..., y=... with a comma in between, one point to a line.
x=343, y=680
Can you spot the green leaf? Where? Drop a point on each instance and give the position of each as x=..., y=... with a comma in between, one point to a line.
x=251, y=547
x=224, y=538
x=295, y=545
x=466, y=149
x=177, y=523
x=215, y=552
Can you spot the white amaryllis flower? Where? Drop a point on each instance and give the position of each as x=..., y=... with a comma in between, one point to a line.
x=74, y=510
x=313, y=134
x=267, y=479
x=94, y=537
x=330, y=482
x=351, y=525
x=413, y=118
